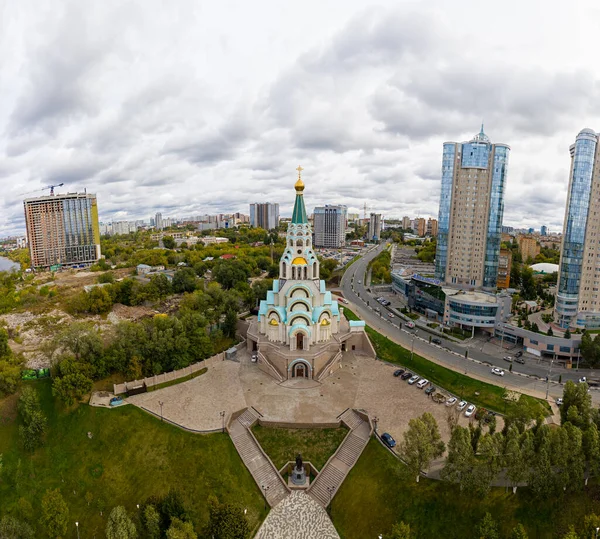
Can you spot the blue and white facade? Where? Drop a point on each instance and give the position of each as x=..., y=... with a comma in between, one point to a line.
x=470, y=213
x=577, y=299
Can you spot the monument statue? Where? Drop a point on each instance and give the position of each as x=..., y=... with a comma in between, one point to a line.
x=299, y=474
x=298, y=461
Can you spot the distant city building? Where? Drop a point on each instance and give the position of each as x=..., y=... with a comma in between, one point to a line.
x=507, y=229
x=330, y=226
x=529, y=247
x=577, y=302
x=158, y=221
x=504, y=267
x=471, y=210
x=118, y=227
x=544, y=230
x=264, y=215
x=374, y=232
x=353, y=217
x=530, y=230
x=420, y=227
x=406, y=224
x=432, y=227
x=63, y=230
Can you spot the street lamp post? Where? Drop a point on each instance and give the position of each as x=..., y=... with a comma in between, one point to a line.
x=160, y=403
x=265, y=490
x=412, y=348
x=549, y=375
x=77, y=526
x=578, y=351
x=375, y=421
x=222, y=420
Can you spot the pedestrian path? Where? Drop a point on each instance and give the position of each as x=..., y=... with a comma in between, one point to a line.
x=260, y=466
x=335, y=471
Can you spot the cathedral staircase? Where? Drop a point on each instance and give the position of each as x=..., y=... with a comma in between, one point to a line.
x=341, y=462
x=260, y=466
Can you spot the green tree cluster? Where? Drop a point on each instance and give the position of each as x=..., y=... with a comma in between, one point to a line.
x=55, y=514
x=33, y=419
x=10, y=366
x=226, y=521
x=380, y=268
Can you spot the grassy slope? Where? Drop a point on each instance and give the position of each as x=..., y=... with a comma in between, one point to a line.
x=315, y=445
x=490, y=396
x=380, y=492
x=135, y=456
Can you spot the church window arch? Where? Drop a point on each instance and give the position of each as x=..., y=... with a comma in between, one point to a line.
x=299, y=319
x=299, y=292
x=299, y=304
x=291, y=243
x=299, y=243
x=283, y=269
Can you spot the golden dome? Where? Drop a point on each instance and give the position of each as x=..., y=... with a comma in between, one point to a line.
x=299, y=185
x=299, y=260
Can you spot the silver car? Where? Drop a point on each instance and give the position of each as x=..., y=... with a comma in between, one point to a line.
x=414, y=379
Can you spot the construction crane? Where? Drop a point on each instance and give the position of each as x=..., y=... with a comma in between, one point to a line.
x=51, y=187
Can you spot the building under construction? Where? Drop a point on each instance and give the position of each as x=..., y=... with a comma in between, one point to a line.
x=63, y=230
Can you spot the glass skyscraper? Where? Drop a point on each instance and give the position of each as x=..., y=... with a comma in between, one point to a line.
x=577, y=302
x=471, y=210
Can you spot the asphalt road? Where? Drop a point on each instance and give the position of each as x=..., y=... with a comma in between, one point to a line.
x=529, y=378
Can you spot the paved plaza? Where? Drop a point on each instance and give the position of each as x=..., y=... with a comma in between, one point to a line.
x=361, y=383
x=297, y=517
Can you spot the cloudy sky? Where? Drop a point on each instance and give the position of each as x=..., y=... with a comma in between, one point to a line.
x=191, y=107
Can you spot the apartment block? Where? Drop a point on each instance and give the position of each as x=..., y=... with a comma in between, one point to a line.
x=471, y=210
x=264, y=215
x=329, y=225
x=504, y=267
x=374, y=232
x=529, y=247
x=63, y=230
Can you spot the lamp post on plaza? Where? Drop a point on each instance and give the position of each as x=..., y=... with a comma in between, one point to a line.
x=77, y=526
x=549, y=375
x=265, y=490
x=160, y=403
x=222, y=421
x=412, y=348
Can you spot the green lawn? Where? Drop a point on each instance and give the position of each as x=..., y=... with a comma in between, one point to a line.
x=131, y=456
x=379, y=491
x=315, y=445
x=489, y=395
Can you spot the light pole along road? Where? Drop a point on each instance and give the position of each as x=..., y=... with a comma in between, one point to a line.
x=354, y=290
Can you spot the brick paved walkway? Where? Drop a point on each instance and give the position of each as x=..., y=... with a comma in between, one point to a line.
x=297, y=517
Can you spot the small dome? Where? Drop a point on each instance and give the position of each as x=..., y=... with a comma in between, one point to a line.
x=298, y=261
x=325, y=322
x=299, y=185
x=273, y=322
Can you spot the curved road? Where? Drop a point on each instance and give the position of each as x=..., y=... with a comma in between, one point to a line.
x=528, y=378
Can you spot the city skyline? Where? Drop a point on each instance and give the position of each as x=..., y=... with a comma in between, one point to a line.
x=363, y=97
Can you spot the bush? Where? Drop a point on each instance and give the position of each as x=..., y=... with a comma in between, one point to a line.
x=34, y=421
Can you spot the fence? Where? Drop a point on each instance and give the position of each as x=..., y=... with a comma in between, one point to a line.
x=140, y=386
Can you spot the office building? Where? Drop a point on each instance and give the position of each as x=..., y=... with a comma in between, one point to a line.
x=504, y=267
x=420, y=227
x=158, y=221
x=406, y=223
x=577, y=298
x=432, y=228
x=374, y=232
x=264, y=215
x=529, y=247
x=329, y=224
x=544, y=230
x=63, y=230
x=471, y=210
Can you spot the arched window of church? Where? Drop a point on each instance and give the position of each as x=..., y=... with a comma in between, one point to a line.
x=291, y=243
x=299, y=243
x=283, y=269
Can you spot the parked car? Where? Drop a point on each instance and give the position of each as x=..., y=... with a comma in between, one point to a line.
x=410, y=325
x=359, y=282
x=582, y=380
x=559, y=401
x=497, y=371
x=422, y=383
x=343, y=300
x=387, y=439
x=387, y=302
x=470, y=410
x=436, y=341
x=461, y=405
x=451, y=401
x=519, y=359
x=414, y=380
x=519, y=353
x=390, y=315
x=406, y=375
x=507, y=358
x=430, y=390
x=398, y=372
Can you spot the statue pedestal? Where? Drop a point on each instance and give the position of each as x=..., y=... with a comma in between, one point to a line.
x=298, y=476
x=298, y=479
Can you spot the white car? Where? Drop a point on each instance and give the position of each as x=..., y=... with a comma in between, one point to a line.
x=582, y=380
x=414, y=379
x=507, y=358
x=461, y=405
x=390, y=315
x=470, y=410
x=559, y=401
x=410, y=325
x=497, y=371
x=451, y=401
x=422, y=383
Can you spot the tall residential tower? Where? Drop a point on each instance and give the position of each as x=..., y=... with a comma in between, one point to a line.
x=63, y=230
x=577, y=298
x=471, y=209
x=264, y=215
x=330, y=226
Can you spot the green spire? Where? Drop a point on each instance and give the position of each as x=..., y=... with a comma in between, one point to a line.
x=299, y=214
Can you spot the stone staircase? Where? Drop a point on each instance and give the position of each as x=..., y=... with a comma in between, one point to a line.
x=341, y=462
x=262, y=469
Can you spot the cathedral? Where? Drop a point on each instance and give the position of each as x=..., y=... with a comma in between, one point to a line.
x=299, y=332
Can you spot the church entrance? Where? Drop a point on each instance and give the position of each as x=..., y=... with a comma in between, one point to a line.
x=300, y=371
x=299, y=341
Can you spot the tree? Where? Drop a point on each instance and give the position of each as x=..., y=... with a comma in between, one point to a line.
x=119, y=525
x=488, y=529
x=168, y=242
x=55, y=514
x=34, y=421
x=591, y=450
x=460, y=460
x=226, y=521
x=550, y=332
x=489, y=448
x=10, y=376
x=571, y=534
x=518, y=450
x=518, y=532
x=576, y=396
x=172, y=507
x=567, y=334
x=12, y=528
x=230, y=324
x=181, y=530
x=98, y=300
x=590, y=524
x=73, y=381
x=401, y=531
x=541, y=478
x=151, y=521
x=422, y=443
x=5, y=350
x=184, y=280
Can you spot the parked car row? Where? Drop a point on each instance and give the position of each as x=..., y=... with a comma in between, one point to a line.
x=462, y=405
x=421, y=383
x=384, y=301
